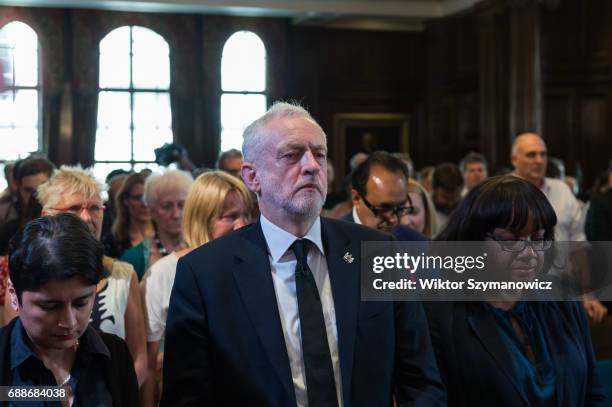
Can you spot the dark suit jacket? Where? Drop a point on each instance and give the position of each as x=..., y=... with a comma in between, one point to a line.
x=224, y=340
x=119, y=374
x=599, y=218
x=400, y=232
x=476, y=367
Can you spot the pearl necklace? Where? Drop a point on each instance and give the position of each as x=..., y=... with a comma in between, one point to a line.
x=160, y=247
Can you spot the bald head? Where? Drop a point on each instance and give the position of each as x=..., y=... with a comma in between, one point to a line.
x=529, y=158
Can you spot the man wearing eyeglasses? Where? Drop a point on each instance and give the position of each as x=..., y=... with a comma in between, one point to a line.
x=380, y=196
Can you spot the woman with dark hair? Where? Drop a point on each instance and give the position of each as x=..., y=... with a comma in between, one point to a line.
x=33, y=210
x=55, y=264
x=132, y=223
x=117, y=307
x=507, y=351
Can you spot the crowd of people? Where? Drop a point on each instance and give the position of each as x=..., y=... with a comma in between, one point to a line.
x=241, y=285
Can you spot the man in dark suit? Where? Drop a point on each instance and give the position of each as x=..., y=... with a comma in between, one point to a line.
x=598, y=227
x=270, y=315
x=599, y=217
x=380, y=196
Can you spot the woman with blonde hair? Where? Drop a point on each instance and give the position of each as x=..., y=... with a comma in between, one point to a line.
x=423, y=217
x=117, y=308
x=216, y=205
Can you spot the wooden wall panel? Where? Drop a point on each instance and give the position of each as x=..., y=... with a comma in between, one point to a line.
x=577, y=79
x=494, y=60
x=347, y=71
x=595, y=144
x=453, y=99
x=559, y=123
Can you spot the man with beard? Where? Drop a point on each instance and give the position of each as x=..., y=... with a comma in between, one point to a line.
x=447, y=185
x=270, y=315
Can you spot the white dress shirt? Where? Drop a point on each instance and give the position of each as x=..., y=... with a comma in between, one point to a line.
x=441, y=221
x=282, y=264
x=570, y=225
x=356, y=216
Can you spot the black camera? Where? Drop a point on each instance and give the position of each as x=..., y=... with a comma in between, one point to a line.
x=169, y=153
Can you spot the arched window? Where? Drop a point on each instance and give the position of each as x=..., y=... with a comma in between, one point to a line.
x=19, y=93
x=243, y=85
x=134, y=114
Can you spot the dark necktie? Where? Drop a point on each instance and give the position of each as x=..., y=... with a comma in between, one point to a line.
x=320, y=382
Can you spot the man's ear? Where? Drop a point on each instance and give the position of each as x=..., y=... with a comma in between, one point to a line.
x=355, y=197
x=250, y=177
x=44, y=212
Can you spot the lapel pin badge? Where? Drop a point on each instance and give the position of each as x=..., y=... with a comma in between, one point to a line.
x=348, y=257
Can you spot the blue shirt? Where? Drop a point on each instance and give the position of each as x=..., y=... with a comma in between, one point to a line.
x=86, y=380
x=537, y=381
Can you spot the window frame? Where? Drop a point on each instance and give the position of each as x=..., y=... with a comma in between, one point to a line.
x=222, y=92
x=131, y=90
x=12, y=89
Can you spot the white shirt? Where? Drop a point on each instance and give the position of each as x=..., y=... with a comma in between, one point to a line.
x=441, y=221
x=108, y=314
x=282, y=265
x=570, y=225
x=156, y=286
x=356, y=216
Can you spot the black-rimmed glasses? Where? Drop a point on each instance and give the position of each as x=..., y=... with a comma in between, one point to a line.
x=387, y=212
x=516, y=246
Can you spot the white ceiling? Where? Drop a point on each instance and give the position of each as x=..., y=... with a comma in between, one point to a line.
x=364, y=14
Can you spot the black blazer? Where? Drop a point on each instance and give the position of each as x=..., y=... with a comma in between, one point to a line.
x=599, y=217
x=224, y=340
x=118, y=372
x=475, y=366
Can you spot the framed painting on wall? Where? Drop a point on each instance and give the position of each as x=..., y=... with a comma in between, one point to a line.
x=366, y=133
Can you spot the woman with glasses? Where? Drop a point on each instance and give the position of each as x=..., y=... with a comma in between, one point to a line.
x=507, y=351
x=133, y=222
x=164, y=195
x=217, y=204
x=117, y=308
